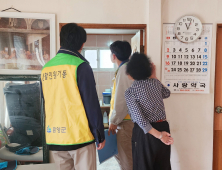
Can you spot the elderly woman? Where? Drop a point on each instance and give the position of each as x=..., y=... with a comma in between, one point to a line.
x=151, y=138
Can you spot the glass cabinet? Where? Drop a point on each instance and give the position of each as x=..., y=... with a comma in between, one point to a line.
x=22, y=117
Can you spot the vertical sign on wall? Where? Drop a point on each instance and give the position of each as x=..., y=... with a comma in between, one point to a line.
x=186, y=66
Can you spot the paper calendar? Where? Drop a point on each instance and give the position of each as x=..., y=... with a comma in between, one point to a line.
x=186, y=66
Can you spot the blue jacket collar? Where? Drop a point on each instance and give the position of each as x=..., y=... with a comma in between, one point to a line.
x=72, y=52
x=123, y=62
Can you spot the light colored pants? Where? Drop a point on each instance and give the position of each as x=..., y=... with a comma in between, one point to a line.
x=80, y=159
x=124, y=144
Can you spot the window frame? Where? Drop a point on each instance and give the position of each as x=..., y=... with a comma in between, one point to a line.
x=98, y=69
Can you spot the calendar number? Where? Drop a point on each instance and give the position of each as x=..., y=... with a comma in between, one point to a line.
x=204, y=69
x=198, y=56
x=186, y=56
x=186, y=63
x=173, y=62
x=186, y=70
x=179, y=70
x=198, y=70
x=180, y=63
x=198, y=63
x=205, y=57
x=192, y=63
x=192, y=56
x=192, y=70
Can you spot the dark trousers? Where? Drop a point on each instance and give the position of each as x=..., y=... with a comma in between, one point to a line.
x=150, y=153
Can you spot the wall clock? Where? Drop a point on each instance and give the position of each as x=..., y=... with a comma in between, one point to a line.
x=188, y=28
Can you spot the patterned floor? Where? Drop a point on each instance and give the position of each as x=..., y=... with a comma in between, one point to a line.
x=110, y=164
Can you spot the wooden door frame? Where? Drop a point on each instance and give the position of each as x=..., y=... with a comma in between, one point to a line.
x=114, y=26
x=215, y=145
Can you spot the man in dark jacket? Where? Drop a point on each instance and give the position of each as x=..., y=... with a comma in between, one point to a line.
x=73, y=115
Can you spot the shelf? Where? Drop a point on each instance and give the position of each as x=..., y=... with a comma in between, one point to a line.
x=105, y=106
x=20, y=61
x=106, y=125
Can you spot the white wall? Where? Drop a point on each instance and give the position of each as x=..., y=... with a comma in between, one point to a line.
x=85, y=11
x=190, y=115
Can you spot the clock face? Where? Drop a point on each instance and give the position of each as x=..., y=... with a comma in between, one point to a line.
x=188, y=29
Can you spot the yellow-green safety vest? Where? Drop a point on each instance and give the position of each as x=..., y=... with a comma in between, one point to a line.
x=66, y=121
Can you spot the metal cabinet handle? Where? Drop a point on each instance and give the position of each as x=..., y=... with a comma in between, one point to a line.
x=218, y=109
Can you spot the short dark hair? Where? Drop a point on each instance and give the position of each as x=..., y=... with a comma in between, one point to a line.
x=72, y=36
x=139, y=67
x=122, y=50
